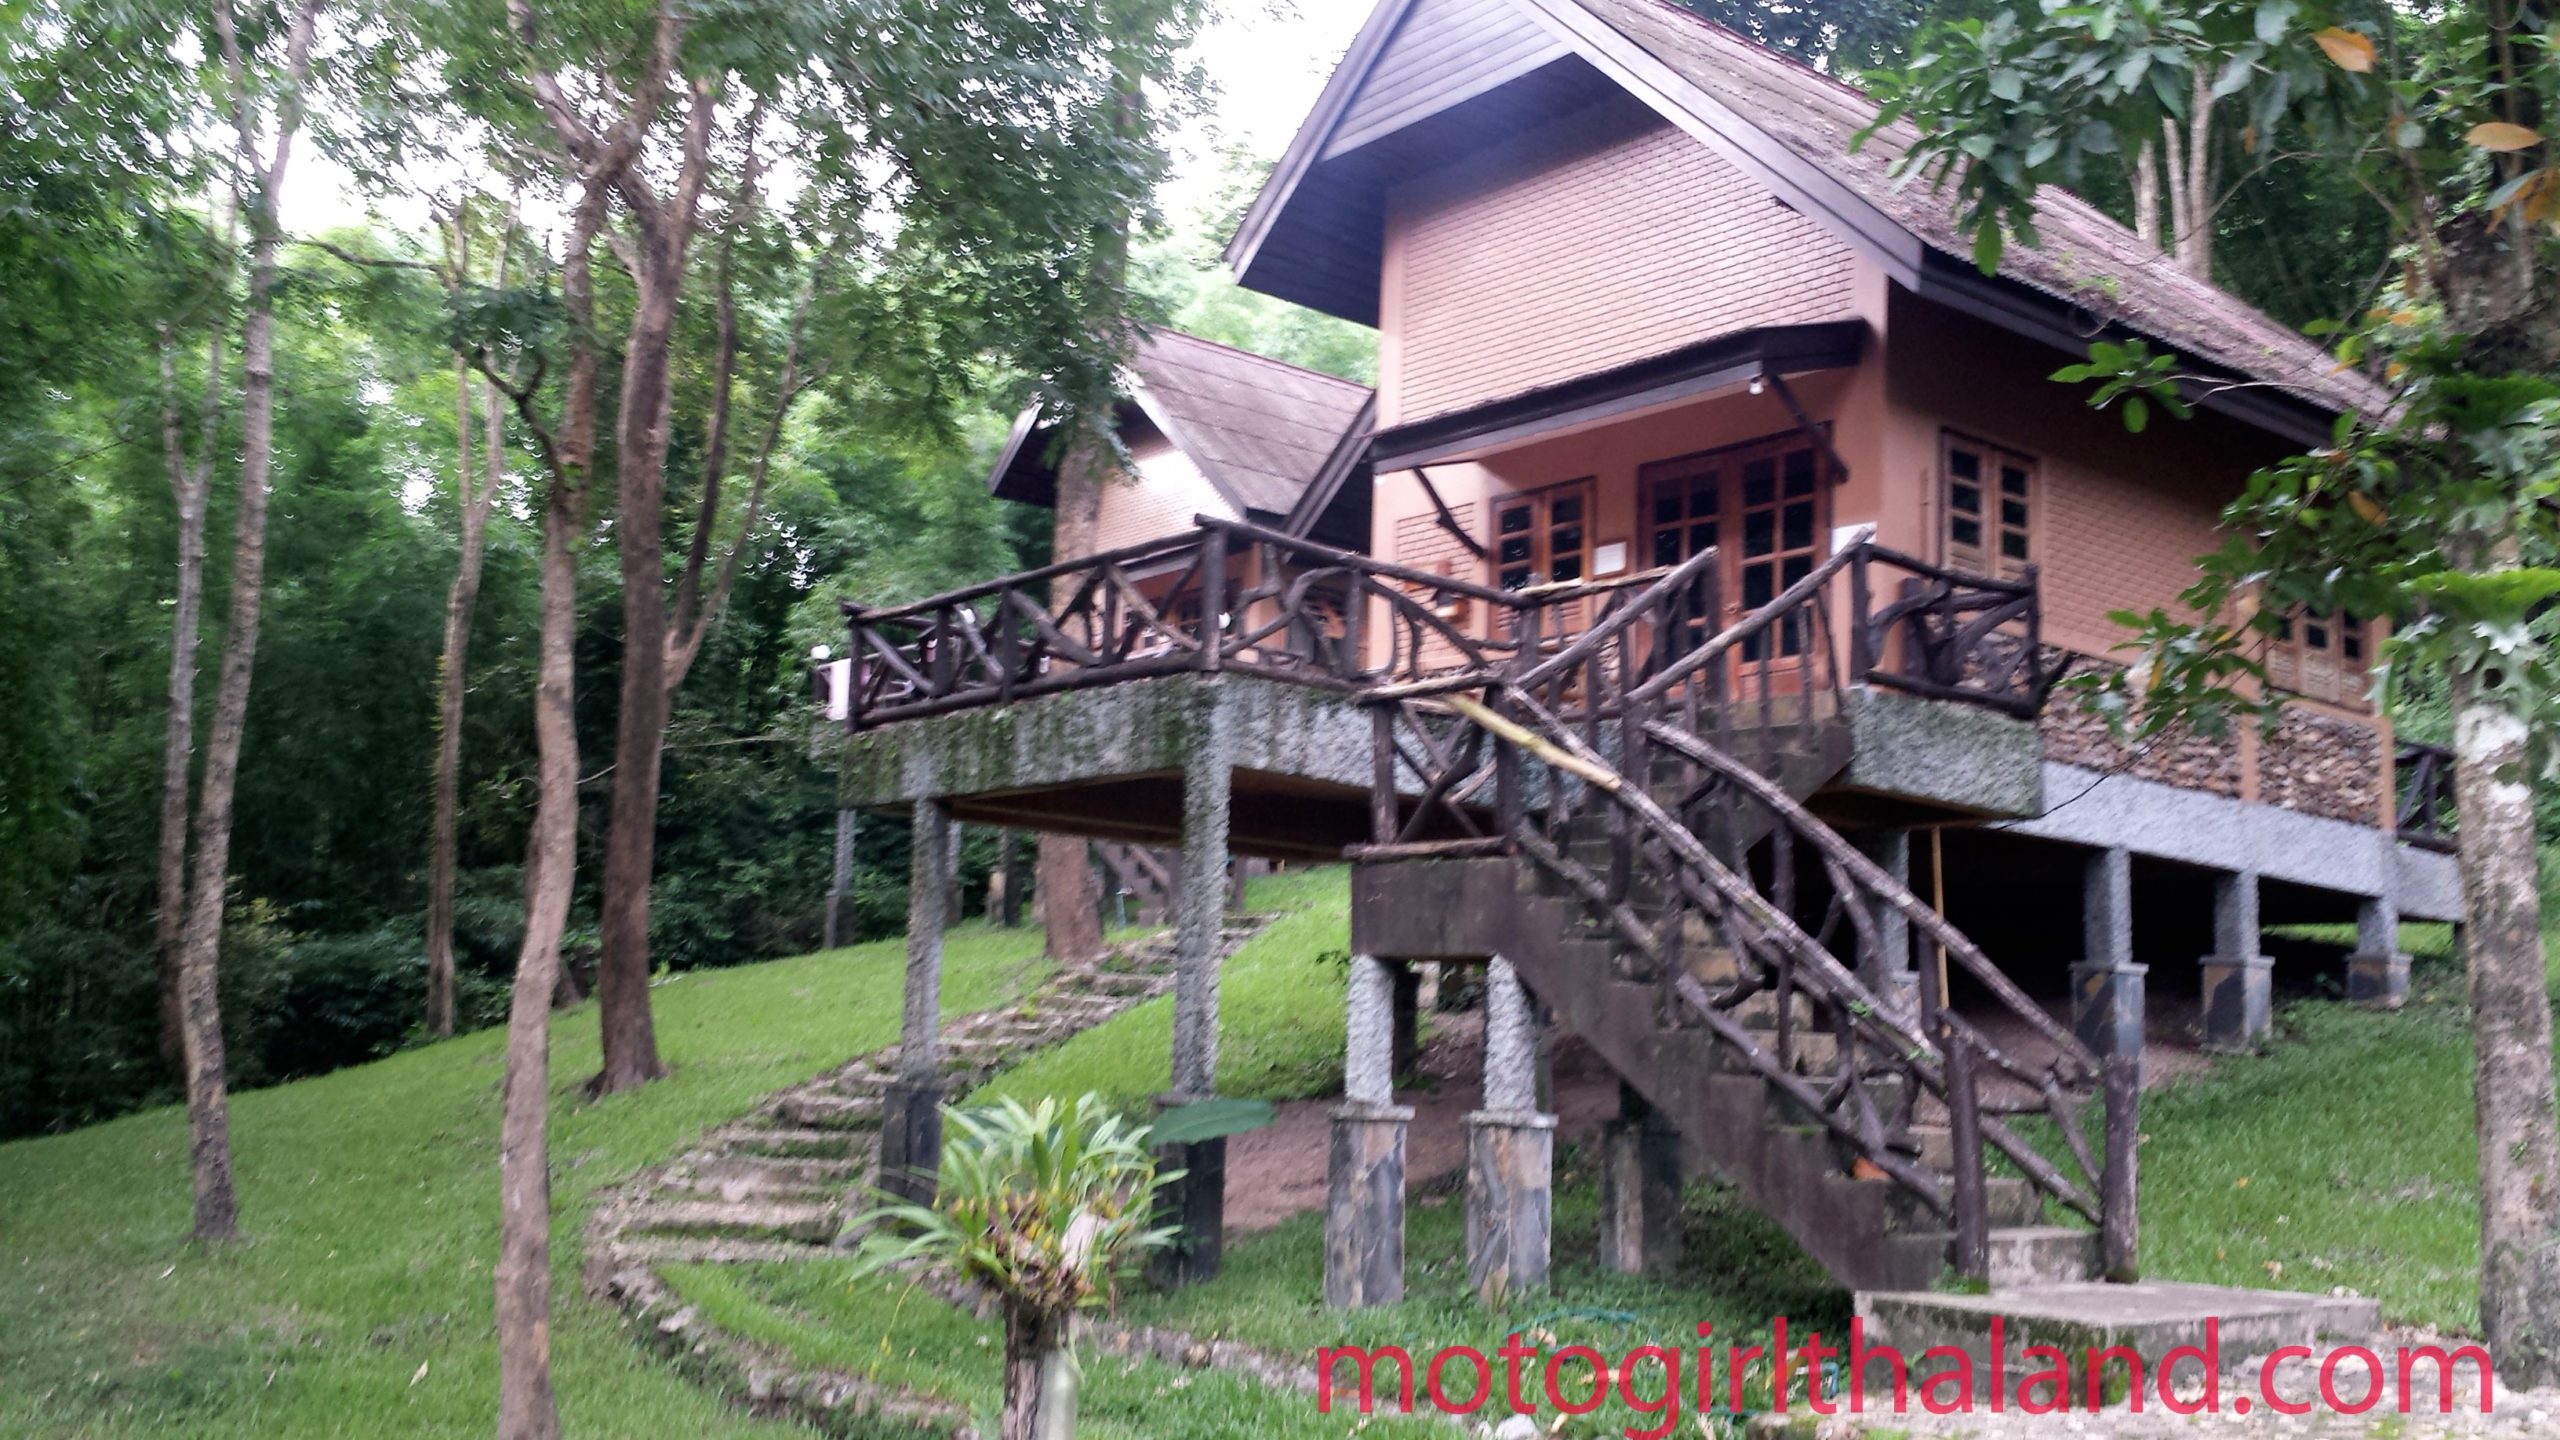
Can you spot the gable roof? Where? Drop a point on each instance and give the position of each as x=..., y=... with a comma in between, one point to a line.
x=1789, y=126
x=1263, y=432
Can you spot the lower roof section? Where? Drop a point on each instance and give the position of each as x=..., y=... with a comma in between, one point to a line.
x=1689, y=373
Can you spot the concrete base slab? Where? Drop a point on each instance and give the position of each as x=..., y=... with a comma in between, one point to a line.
x=2216, y=1325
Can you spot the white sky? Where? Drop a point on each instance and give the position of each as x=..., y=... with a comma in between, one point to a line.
x=1265, y=60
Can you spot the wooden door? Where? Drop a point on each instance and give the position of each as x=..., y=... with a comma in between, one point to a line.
x=1762, y=505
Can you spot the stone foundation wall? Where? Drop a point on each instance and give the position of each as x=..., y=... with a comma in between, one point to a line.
x=2074, y=734
x=2315, y=763
x=2323, y=765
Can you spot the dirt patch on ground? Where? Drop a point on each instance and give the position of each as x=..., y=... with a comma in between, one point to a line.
x=1278, y=1171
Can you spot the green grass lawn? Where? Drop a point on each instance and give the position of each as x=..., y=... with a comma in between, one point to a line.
x=2344, y=1156
x=361, y=1304
x=1280, y=1013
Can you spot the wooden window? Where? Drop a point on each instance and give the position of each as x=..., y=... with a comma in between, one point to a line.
x=1543, y=536
x=1683, y=502
x=1990, y=496
x=2323, y=656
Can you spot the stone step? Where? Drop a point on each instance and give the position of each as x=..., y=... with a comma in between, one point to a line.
x=2041, y=1255
x=826, y=1110
x=807, y=1222
x=793, y=1142
x=738, y=1188
x=710, y=1250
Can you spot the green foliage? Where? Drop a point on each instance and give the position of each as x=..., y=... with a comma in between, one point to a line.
x=1044, y=1206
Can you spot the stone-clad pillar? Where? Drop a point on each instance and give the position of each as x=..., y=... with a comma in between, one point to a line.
x=2237, y=991
x=910, y=1109
x=1640, y=1189
x=1197, y=1201
x=1510, y=1150
x=1200, y=910
x=1364, y=1174
x=1891, y=977
x=2106, y=986
x=2378, y=971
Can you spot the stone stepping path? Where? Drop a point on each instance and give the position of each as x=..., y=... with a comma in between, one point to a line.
x=781, y=1184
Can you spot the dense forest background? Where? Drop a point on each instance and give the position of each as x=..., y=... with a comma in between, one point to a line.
x=322, y=962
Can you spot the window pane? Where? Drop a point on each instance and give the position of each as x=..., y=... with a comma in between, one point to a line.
x=1965, y=532
x=1800, y=473
x=1515, y=550
x=1666, y=507
x=1568, y=540
x=1566, y=507
x=1964, y=464
x=2013, y=545
x=1514, y=579
x=2013, y=513
x=1568, y=567
x=1756, y=588
x=1758, y=529
x=1799, y=526
x=2013, y=481
x=1666, y=547
x=1513, y=518
x=1795, y=568
x=1702, y=537
x=1965, y=499
x=1702, y=501
x=1759, y=482
x=2315, y=635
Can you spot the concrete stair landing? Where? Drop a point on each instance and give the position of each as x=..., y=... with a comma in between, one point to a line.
x=2076, y=1317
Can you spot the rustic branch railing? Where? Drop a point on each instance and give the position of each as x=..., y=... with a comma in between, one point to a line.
x=2423, y=808
x=1946, y=635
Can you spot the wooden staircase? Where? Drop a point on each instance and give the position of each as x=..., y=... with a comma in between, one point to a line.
x=1635, y=812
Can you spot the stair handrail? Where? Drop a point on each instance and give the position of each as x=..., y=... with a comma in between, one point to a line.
x=1757, y=622
x=1873, y=877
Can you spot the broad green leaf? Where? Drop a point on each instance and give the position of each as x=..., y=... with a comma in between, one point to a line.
x=1986, y=247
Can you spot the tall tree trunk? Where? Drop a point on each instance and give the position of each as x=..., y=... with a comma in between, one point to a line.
x=217, y=1205
x=2512, y=1082
x=1040, y=1377
x=472, y=504
x=2195, y=203
x=2146, y=196
x=1069, y=895
x=630, y=855
x=526, y=1407
x=189, y=484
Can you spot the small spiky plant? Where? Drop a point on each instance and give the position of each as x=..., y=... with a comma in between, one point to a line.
x=1044, y=1208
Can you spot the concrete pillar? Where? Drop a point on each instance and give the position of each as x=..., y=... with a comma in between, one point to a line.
x=1639, y=1189
x=2106, y=986
x=1196, y=1203
x=1510, y=1150
x=2237, y=994
x=2378, y=971
x=1892, y=976
x=1200, y=910
x=910, y=1108
x=1364, y=1171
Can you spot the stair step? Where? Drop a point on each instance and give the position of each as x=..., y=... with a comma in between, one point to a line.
x=739, y=1189
x=819, y=1110
x=812, y=1223
x=792, y=1142
x=2041, y=1255
x=707, y=1250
